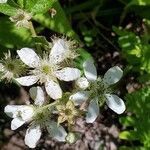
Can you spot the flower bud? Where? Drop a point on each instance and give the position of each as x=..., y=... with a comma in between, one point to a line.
x=72, y=137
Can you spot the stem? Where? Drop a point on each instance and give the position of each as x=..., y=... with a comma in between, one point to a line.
x=50, y=105
x=32, y=30
x=33, y=33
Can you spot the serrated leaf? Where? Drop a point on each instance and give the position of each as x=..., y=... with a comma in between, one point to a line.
x=8, y=9
x=38, y=6
x=135, y=49
x=21, y=3
x=138, y=103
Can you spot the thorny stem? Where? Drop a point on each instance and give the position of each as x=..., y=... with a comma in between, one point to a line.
x=32, y=30
x=33, y=33
x=50, y=105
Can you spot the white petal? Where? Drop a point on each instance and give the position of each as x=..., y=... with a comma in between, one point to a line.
x=115, y=103
x=113, y=75
x=16, y=123
x=3, y=1
x=33, y=92
x=92, y=112
x=82, y=83
x=53, y=89
x=32, y=136
x=58, y=51
x=23, y=111
x=27, y=80
x=37, y=94
x=29, y=57
x=26, y=113
x=79, y=97
x=56, y=132
x=10, y=110
x=68, y=74
x=90, y=70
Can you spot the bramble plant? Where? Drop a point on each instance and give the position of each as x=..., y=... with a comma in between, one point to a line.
x=47, y=71
x=43, y=66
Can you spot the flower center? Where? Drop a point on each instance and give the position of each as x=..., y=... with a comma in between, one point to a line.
x=41, y=115
x=21, y=17
x=46, y=69
x=10, y=66
x=99, y=89
x=68, y=112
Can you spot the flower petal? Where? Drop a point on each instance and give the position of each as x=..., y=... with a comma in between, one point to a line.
x=79, y=97
x=29, y=57
x=58, y=51
x=32, y=136
x=27, y=80
x=68, y=74
x=113, y=75
x=90, y=70
x=56, y=132
x=16, y=123
x=93, y=111
x=115, y=103
x=37, y=95
x=10, y=110
x=53, y=89
x=82, y=83
x=26, y=113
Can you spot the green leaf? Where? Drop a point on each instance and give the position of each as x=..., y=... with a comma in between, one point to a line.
x=139, y=2
x=41, y=40
x=128, y=135
x=138, y=104
x=21, y=3
x=127, y=121
x=8, y=9
x=58, y=23
x=12, y=37
x=38, y=6
x=135, y=49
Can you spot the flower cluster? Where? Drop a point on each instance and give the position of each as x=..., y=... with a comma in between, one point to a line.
x=53, y=109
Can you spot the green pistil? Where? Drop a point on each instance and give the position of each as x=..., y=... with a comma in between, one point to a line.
x=15, y=66
x=10, y=66
x=43, y=113
x=46, y=69
x=20, y=17
x=99, y=89
x=68, y=112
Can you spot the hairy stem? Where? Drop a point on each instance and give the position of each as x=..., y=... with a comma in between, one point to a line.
x=33, y=33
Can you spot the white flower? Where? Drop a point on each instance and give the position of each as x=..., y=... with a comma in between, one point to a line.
x=98, y=89
x=39, y=117
x=47, y=70
x=3, y=1
x=21, y=19
x=6, y=74
x=11, y=67
x=63, y=50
